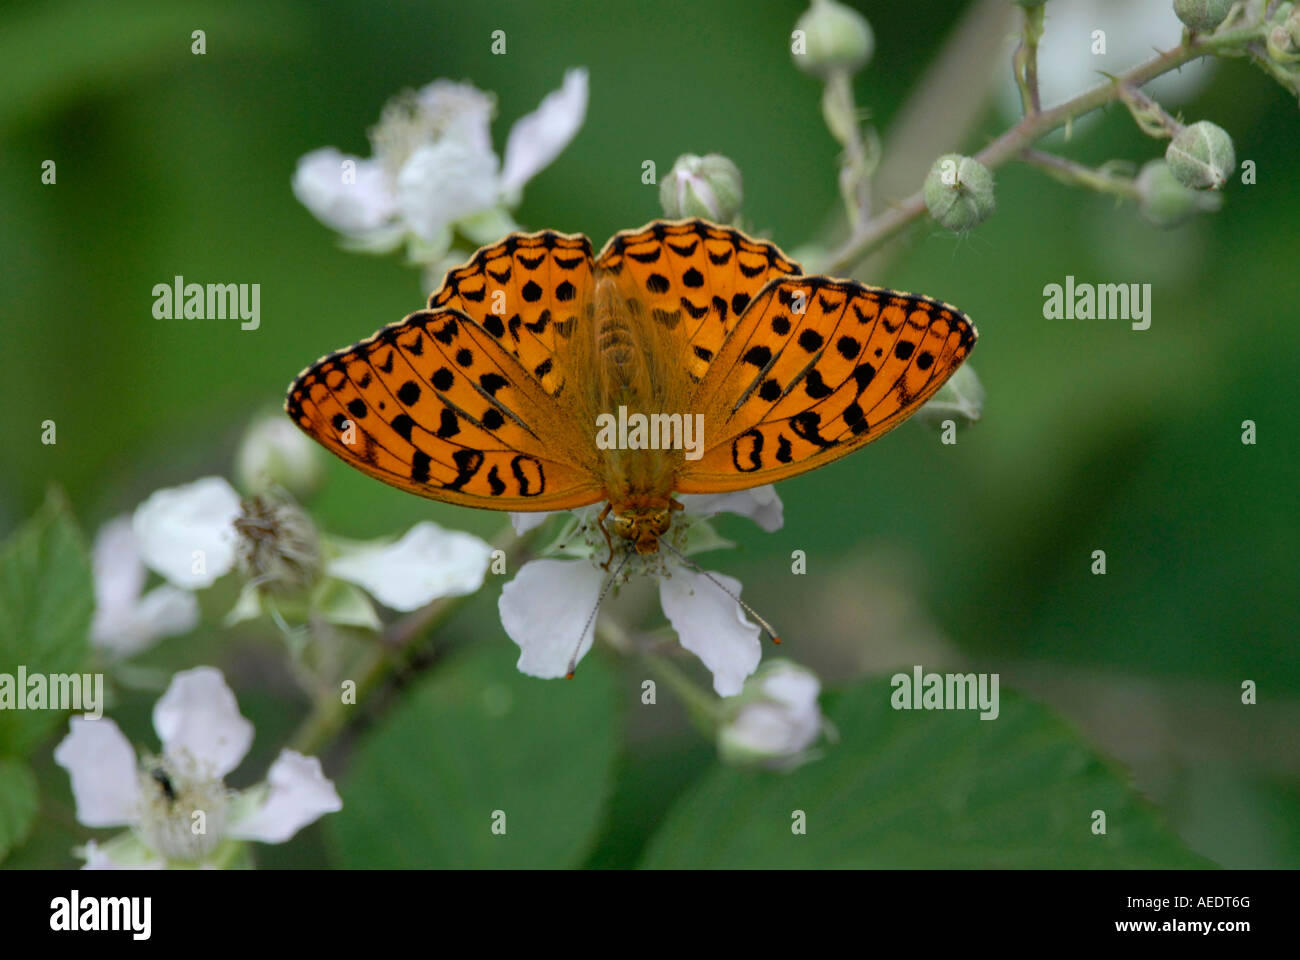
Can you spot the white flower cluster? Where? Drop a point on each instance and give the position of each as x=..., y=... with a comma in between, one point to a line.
x=433, y=173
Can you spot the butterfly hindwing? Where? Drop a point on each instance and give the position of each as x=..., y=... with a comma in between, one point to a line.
x=814, y=369
x=694, y=278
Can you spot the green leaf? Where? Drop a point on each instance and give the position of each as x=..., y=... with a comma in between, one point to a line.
x=475, y=738
x=46, y=602
x=17, y=803
x=916, y=788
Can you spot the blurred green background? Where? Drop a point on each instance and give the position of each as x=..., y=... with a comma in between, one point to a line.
x=1094, y=436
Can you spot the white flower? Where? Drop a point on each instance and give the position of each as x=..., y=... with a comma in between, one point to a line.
x=176, y=804
x=1134, y=32
x=179, y=523
x=433, y=169
x=427, y=563
x=186, y=533
x=777, y=719
x=545, y=607
x=126, y=622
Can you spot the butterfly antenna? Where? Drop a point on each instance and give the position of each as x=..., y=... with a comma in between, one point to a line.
x=723, y=587
x=604, y=591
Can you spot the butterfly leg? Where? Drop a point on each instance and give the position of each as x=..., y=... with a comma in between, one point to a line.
x=600, y=522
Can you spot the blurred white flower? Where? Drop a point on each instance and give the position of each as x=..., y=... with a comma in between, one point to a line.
x=433, y=169
x=187, y=533
x=275, y=453
x=544, y=609
x=178, y=523
x=176, y=804
x=125, y=622
x=1134, y=32
x=427, y=563
x=776, y=719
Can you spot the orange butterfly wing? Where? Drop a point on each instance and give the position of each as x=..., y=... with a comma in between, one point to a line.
x=459, y=402
x=793, y=389
x=693, y=278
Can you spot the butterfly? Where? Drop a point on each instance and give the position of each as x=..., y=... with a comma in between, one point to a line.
x=501, y=394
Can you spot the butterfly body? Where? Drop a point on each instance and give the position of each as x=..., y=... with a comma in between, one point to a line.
x=506, y=391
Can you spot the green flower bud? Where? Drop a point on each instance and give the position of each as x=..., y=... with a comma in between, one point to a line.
x=830, y=37
x=275, y=453
x=1202, y=15
x=1201, y=156
x=959, y=192
x=1165, y=202
x=708, y=187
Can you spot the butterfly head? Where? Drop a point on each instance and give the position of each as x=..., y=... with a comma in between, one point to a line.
x=644, y=526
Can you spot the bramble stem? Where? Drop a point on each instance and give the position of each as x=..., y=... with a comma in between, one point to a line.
x=1032, y=128
x=1025, y=63
x=395, y=649
x=1071, y=172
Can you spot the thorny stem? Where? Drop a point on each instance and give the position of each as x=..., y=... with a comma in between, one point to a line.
x=1068, y=171
x=1032, y=128
x=1025, y=64
x=392, y=651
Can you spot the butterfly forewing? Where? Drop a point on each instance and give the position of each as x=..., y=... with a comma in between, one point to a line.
x=693, y=278
x=529, y=292
x=436, y=405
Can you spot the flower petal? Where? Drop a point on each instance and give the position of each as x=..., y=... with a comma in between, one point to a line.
x=760, y=504
x=299, y=794
x=538, y=138
x=427, y=563
x=457, y=111
x=102, y=766
x=186, y=533
x=442, y=182
x=712, y=626
x=119, y=573
x=198, y=721
x=543, y=609
x=357, y=204
x=780, y=716
x=123, y=852
x=523, y=522
x=126, y=623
